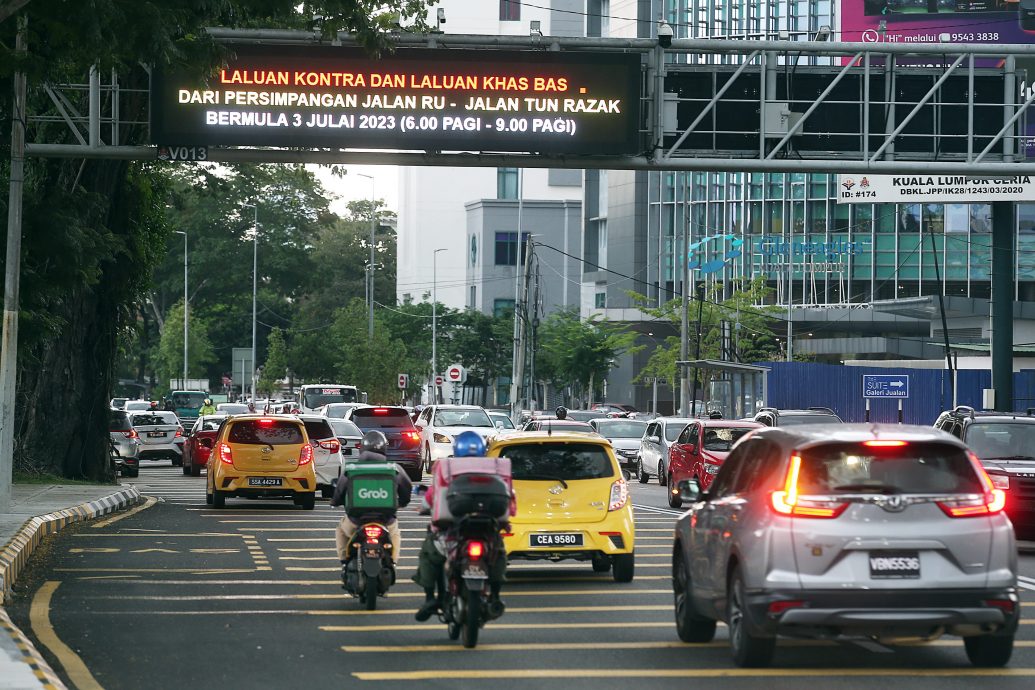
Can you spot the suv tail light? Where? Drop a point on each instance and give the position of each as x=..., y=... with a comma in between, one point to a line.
x=991, y=501
x=331, y=444
x=305, y=456
x=619, y=495
x=788, y=502
x=179, y=432
x=412, y=437
x=225, y=454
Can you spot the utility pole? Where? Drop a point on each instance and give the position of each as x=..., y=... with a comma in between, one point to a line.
x=12, y=277
x=434, y=327
x=684, y=324
x=1003, y=225
x=186, y=308
x=519, y=372
x=514, y=385
x=697, y=347
x=370, y=266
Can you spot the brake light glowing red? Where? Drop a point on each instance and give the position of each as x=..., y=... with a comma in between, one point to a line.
x=412, y=435
x=884, y=444
x=787, y=501
x=331, y=444
x=1006, y=605
x=264, y=422
x=475, y=549
x=225, y=453
x=380, y=410
x=132, y=433
x=306, y=455
x=372, y=532
x=778, y=607
x=989, y=502
x=179, y=431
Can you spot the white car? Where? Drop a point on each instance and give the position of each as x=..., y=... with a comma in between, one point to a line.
x=439, y=425
x=137, y=406
x=327, y=451
x=161, y=436
x=232, y=408
x=659, y=436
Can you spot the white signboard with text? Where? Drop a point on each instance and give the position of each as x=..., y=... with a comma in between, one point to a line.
x=865, y=189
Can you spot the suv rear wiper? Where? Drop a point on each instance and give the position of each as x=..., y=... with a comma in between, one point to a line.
x=874, y=488
x=546, y=477
x=1011, y=457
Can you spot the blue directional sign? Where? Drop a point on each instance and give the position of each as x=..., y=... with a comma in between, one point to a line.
x=885, y=386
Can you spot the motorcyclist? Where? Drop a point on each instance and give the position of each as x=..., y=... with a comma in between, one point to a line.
x=432, y=558
x=372, y=449
x=207, y=407
x=561, y=412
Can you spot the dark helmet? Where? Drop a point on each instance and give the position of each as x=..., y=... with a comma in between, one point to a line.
x=374, y=442
x=561, y=412
x=468, y=444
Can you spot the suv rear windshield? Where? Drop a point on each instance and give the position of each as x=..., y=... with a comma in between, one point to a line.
x=552, y=461
x=1002, y=441
x=155, y=419
x=318, y=430
x=381, y=418
x=798, y=419
x=914, y=468
x=273, y=432
x=119, y=421
x=621, y=429
x=464, y=417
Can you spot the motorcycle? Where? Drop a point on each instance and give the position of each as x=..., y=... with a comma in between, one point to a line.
x=473, y=544
x=369, y=570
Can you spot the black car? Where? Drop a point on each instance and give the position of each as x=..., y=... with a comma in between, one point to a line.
x=770, y=416
x=396, y=425
x=1005, y=444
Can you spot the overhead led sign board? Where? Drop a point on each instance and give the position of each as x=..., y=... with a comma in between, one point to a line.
x=415, y=99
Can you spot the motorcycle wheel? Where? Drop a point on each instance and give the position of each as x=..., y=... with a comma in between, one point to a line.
x=452, y=624
x=370, y=592
x=472, y=617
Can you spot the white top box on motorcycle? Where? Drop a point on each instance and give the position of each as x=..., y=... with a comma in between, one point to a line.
x=491, y=495
x=372, y=488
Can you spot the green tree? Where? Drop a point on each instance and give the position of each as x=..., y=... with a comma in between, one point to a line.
x=372, y=365
x=94, y=230
x=580, y=352
x=274, y=370
x=168, y=355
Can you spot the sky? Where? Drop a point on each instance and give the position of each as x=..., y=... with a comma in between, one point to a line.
x=352, y=186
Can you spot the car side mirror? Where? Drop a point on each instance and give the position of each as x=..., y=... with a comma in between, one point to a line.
x=205, y=443
x=690, y=490
x=500, y=426
x=654, y=439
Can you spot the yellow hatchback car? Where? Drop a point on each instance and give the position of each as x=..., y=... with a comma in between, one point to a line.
x=262, y=456
x=572, y=501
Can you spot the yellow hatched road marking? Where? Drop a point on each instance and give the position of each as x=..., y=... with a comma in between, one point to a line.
x=39, y=615
x=610, y=673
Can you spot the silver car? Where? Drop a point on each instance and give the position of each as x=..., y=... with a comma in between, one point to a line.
x=658, y=437
x=327, y=458
x=161, y=436
x=126, y=443
x=885, y=532
x=625, y=436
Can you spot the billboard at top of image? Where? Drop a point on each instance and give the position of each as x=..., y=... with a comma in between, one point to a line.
x=938, y=21
x=414, y=99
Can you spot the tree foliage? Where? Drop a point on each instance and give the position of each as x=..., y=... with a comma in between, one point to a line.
x=167, y=357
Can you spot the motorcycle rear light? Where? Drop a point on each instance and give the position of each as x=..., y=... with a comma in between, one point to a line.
x=372, y=532
x=225, y=454
x=619, y=495
x=331, y=445
x=475, y=550
x=305, y=456
x=787, y=501
x=778, y=607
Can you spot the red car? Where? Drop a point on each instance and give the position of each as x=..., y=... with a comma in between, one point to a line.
x=198, y=444
x=700, y=449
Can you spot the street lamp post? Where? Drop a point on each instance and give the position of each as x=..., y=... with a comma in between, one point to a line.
x=255, y=286
x=434, y=331
x=186, y=307
x=370, y=266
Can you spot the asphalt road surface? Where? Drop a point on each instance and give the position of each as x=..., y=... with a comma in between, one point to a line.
x=178, y=595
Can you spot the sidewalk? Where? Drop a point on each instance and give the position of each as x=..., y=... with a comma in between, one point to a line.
x=36, y=511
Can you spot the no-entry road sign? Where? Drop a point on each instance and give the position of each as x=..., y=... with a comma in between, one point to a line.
x=456, y=373
x=885, y=386
x=404, y=381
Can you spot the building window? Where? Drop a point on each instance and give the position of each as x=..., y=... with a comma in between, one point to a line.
x=506, y=248
x=600, y=300
x=502, y=307
x=510, y=10
x=506, y=183
x=474, y=297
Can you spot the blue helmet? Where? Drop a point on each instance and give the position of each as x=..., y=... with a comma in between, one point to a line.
x=468, y=444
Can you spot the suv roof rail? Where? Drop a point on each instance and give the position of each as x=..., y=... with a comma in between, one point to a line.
x=964, y=409
x=822, y=409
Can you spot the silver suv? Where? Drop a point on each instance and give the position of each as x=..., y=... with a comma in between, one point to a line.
x=833, y=531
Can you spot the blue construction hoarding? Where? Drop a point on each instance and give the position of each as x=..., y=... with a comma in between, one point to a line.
x=808, y=384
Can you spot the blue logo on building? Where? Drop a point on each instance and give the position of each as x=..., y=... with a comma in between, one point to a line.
x=695, y=259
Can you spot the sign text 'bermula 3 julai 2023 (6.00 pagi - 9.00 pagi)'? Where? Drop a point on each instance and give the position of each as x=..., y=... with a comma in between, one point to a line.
x=414, y=99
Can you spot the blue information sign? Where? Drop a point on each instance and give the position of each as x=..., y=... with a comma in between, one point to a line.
x=885, y=386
